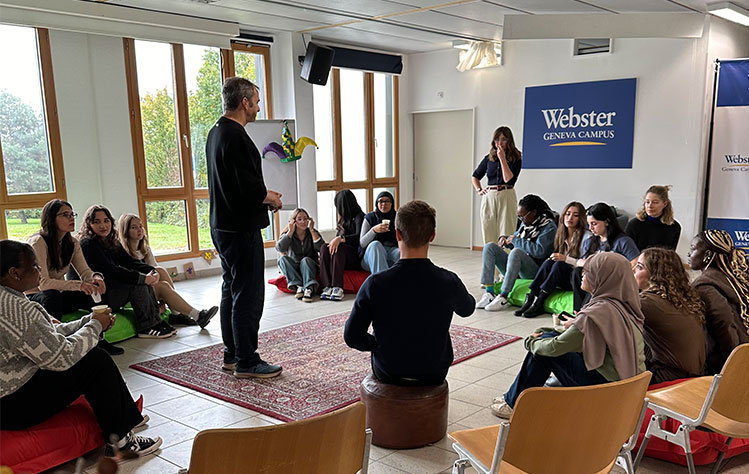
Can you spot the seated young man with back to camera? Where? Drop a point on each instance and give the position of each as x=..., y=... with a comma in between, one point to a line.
x=411, y=342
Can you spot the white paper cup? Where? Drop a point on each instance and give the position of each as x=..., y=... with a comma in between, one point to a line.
x=555, y=320
x=386, y=222
x=102, y=308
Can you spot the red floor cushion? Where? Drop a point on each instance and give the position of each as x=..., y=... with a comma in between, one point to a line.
x=706, y=446
x=352, y=281
x=70, y=434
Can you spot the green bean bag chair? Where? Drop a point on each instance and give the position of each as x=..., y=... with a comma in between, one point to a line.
x=124, y=325
x=557, y=302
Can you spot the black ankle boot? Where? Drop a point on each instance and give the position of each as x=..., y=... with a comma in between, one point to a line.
x=537, y=308
x=529, y=298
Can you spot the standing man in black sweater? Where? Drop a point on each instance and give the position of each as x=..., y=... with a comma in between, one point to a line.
x=411, y=343
x=239, y=204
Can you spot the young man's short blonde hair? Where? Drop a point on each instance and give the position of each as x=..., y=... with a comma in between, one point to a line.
x=416, y=221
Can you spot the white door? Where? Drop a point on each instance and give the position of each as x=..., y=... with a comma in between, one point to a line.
x=443, y=163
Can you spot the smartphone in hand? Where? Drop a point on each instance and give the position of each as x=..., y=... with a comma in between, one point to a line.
x=565, y=315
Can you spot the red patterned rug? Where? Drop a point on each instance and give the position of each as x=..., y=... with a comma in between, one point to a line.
x=320, y=373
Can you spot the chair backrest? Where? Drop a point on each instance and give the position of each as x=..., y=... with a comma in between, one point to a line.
x=732, y=397
x=574, y=430
x=330, y=444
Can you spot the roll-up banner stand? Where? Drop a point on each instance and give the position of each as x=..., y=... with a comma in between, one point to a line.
x=727, y=193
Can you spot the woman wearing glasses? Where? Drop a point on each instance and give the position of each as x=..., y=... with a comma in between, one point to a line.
x=56, y=251
x=377, y=236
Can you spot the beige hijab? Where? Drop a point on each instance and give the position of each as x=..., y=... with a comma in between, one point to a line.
x=607, y=320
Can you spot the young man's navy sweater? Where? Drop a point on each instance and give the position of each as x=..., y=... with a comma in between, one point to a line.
x=410, y=306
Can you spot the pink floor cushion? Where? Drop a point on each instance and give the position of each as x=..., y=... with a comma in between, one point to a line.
x=352, y=281
x=70, y=434
x=706, y=446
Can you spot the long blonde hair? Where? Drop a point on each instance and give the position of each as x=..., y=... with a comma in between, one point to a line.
x=667, y=217
x=123, y=227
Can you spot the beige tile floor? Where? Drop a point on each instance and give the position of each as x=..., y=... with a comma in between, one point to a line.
x=178, y=413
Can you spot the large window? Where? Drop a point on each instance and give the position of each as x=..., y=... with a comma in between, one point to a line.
x=357, y=141
x=174, y=93
x=31, y=171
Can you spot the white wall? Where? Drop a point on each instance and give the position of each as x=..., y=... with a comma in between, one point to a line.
x=668, y=141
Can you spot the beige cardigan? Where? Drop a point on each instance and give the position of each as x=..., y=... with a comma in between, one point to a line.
x=54, y=279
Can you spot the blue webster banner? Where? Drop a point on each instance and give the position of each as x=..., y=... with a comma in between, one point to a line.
x=580, y=125
x=728, y=197
x=738, y=228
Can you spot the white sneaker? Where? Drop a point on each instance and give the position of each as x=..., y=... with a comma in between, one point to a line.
x=497, y=303
x=299, y=293
x=497, y=400
x=485, y=300
x=325, y=295
x=336, y=294
x=502, y=410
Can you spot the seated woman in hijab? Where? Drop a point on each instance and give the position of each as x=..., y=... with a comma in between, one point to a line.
x=724, y=287
x=378, y=236
x=604, y=343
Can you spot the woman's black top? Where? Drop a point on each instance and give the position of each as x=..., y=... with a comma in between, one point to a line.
x=493, y=171
x=110, y=262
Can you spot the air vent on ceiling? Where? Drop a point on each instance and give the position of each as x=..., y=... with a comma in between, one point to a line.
x=588, y=46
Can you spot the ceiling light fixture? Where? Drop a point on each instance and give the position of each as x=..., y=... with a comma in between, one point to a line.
x=730, y=11
x=478, y=54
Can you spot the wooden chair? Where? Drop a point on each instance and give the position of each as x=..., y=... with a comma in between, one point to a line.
x=719, y=403
x=560, y=430
x=336, y=443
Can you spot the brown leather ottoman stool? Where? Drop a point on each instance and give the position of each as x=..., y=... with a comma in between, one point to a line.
x=405, y=417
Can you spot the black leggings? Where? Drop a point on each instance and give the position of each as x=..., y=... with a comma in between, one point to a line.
x=58, y=302
x=47, y=393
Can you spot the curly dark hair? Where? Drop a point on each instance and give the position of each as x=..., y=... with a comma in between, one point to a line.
x=110, y=241
x=669, y=280
x=531, y=202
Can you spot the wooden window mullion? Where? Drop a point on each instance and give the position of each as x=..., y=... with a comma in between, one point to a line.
x=185, y=142
x=337, y=139
x=227, y=64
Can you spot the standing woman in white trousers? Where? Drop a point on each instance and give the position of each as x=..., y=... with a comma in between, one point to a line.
x=498, y=199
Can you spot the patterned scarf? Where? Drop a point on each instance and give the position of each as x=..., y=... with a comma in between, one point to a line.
x=530, y=232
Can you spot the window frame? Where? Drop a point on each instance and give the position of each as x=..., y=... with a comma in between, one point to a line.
x=187, y=191
x=338, y=184
x=49, y=108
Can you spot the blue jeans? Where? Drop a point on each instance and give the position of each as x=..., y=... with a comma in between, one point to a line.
x=378, y=257
x=517, y=263
x=569, y=369
x=242, y=293
x=299, y=274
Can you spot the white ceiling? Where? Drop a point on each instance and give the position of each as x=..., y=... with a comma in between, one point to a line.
x=404, y=26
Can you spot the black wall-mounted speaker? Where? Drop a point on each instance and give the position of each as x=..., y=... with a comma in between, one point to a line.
x=316, y=65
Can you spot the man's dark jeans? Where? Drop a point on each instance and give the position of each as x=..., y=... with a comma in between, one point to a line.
x=242, y=293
